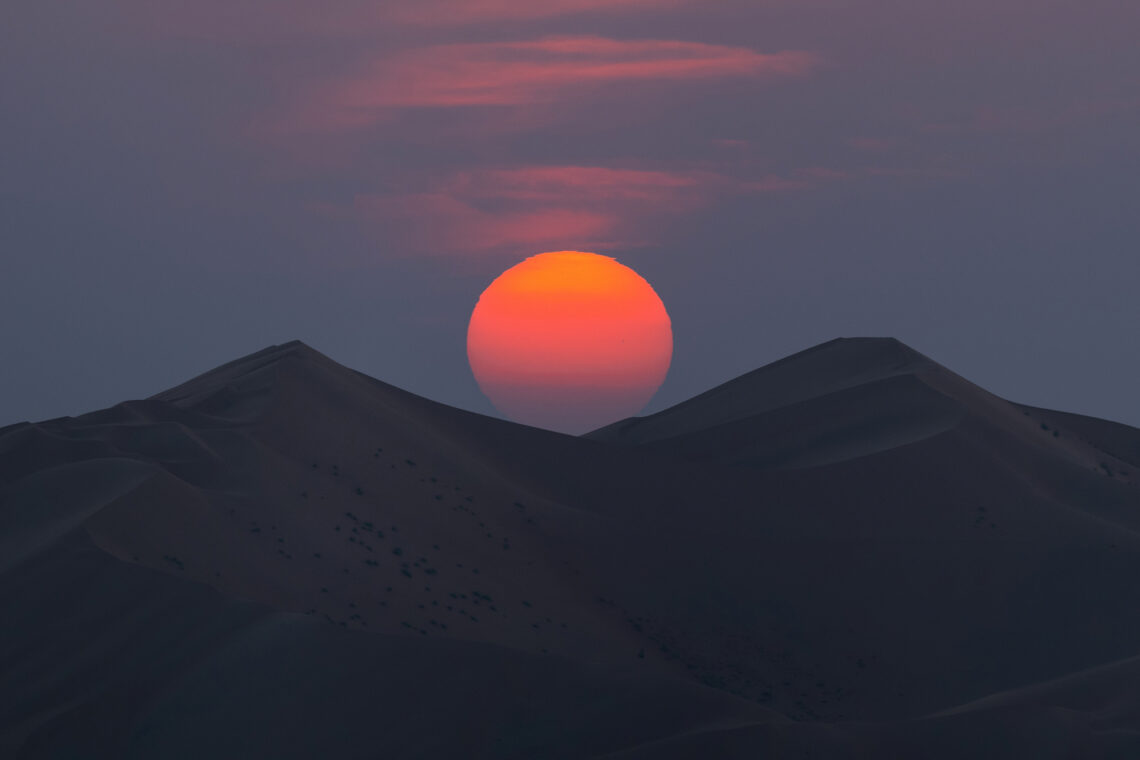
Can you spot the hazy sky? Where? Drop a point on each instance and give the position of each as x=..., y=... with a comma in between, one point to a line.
x=183, y=182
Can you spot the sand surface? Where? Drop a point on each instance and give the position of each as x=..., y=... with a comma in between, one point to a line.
x=852, y=552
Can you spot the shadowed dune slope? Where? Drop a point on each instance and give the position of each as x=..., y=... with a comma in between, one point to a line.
x=851, y=552
x=816, y=372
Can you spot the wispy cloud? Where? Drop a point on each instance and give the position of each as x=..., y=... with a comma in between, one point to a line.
x=448, y=224
x=448, y=12
x=279, y=19
x=578, y=184
x=524, y=72
x=519, y=209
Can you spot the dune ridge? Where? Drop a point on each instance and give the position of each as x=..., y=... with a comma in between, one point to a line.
x=850, y=552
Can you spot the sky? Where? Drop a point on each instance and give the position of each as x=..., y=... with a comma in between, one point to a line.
x=183, y=183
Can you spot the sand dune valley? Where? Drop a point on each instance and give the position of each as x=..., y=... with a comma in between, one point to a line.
x=850, y=553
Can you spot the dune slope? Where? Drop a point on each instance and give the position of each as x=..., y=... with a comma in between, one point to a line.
x=852, y=550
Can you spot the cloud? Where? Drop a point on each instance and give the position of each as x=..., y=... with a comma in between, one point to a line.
x=450, y=12
x=526, y=72
x=346, y=19
x=577, y=184
x=447, y=224
x=527, y=208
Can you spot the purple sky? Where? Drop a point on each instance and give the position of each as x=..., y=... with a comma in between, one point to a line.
x=183, y=182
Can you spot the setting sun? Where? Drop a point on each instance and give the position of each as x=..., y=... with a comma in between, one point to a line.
x=569, y=341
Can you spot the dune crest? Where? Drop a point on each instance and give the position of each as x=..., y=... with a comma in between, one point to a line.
x=852, y=551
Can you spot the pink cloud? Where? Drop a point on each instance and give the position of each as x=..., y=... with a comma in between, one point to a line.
x=538, y=71
x=589, y=184
x=281, y=19
x=447, y=224
x=523, y=209
x=446, y=12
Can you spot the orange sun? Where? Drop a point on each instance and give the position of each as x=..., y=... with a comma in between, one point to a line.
x=569, y=341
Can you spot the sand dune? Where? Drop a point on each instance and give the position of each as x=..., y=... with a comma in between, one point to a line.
x=851, y=552
x=819, y=371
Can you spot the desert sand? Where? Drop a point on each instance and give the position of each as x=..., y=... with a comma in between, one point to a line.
x=852, y=552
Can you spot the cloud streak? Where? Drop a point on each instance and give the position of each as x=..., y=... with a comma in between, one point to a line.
x=521, y=209
x=453, y=12
x=534, y=71
x=347, y=19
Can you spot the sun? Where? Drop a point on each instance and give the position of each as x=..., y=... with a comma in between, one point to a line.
x=569, y=341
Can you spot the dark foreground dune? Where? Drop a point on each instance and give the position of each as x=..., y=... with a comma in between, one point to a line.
x=852, y=552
